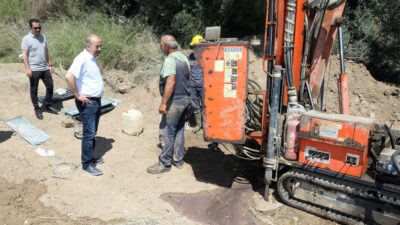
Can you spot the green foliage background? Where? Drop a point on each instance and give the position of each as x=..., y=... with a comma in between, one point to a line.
x=130, y=29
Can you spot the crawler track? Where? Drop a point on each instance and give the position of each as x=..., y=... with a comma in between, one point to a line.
x=338, y=200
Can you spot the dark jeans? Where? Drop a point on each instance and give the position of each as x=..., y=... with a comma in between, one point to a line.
x=45, y=76
x=197, y=96
x=90, y=114
x=174, y=149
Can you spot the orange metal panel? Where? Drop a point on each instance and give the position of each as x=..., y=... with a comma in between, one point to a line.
x=331, y=141
x=337, y=157
x=323, y=50
x=225, y=90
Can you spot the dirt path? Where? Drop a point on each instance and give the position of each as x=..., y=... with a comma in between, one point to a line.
x=53, y=190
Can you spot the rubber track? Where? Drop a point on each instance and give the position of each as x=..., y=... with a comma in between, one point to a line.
x=352, y=189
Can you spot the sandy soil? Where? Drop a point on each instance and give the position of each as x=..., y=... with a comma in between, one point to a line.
x=54, y=190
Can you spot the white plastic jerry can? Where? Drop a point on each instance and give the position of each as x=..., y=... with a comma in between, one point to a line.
x=132, y=122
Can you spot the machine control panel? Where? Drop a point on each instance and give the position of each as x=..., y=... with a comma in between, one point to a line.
x=337, y=143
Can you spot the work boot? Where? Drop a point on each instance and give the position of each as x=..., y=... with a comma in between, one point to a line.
x=197, y=116
x=158, y=168
x=39, y=114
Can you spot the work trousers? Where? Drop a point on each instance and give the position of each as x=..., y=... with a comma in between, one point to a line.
x=174, y=132
x=90, y=114
x=197, y=96
x=45, y=76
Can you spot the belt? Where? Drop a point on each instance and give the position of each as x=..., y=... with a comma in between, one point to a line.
x=94, y=98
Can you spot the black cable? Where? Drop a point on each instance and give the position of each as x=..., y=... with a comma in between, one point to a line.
x=392, y=141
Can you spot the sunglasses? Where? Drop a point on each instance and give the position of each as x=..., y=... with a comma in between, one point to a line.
x=37, y=28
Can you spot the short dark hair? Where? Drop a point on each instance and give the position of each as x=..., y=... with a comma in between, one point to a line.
x=34, y=20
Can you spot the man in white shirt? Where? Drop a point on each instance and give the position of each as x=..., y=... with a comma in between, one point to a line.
x=85, y=82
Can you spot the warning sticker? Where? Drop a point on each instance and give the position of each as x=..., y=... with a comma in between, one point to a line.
x=230, y=90
x=233, y=53
x=219, y=66
x=329, y=131
x=228, y=74
x=231, y=71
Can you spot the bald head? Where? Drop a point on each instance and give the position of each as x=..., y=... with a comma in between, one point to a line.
x=93, y=44
x=168, y=44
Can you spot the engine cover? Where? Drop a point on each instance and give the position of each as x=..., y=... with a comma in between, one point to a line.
x=335, y=142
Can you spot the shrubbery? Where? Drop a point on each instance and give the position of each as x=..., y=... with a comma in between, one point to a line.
x=128, y=44
x=374, y=27
x=129, y=28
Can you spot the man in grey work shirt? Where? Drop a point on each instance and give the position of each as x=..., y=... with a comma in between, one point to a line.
x=38, y=67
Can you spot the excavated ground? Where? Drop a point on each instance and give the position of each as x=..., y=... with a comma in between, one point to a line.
x=53, y=190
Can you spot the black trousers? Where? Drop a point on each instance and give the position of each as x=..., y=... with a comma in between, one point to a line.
x=45, y=76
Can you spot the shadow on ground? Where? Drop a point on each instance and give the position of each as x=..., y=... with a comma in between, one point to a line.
x=238, y=180
x=220, y=169
x=5, y=135
x=103, y=145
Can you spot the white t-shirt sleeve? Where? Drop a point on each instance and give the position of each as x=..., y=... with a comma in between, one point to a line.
x=76, y=68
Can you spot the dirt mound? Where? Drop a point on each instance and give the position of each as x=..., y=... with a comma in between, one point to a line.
x=368, y=97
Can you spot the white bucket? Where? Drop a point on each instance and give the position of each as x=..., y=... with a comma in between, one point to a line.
x=132, y=122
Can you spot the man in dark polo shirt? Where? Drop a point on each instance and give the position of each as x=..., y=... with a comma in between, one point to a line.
x=38, y=66
x=175, y=99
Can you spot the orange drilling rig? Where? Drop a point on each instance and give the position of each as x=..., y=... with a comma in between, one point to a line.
x=338, y=166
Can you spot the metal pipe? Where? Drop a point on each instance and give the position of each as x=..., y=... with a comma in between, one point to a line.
x=342, y=65
x=344, y=89
x=309, y=95
x=269, y=160
x=270, y=44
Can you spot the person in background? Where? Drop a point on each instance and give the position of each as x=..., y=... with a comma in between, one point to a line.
x=38, y=66
x=85, y=82
x=196, y=86
x=174, y=89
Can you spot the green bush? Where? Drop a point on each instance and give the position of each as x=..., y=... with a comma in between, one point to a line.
x=373, y=27
x=13, y=10
x=10, y=44
x=126, y=44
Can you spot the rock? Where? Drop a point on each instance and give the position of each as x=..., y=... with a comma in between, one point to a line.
x=124, y=88
x=67, y=123
x=395, y=92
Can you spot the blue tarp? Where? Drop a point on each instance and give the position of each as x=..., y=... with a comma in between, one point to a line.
x=28, y=131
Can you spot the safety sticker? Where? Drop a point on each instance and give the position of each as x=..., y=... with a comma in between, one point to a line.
x=230, y=90
x=231, y=71
x=329, y=131
x=219, y=65
x=233, y=53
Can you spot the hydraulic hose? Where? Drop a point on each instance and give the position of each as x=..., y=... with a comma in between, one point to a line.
x=335, y=4
x=272, y=140
x=392, y=141
x=289, y=45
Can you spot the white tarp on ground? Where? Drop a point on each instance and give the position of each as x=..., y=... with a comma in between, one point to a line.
x=28, y=131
